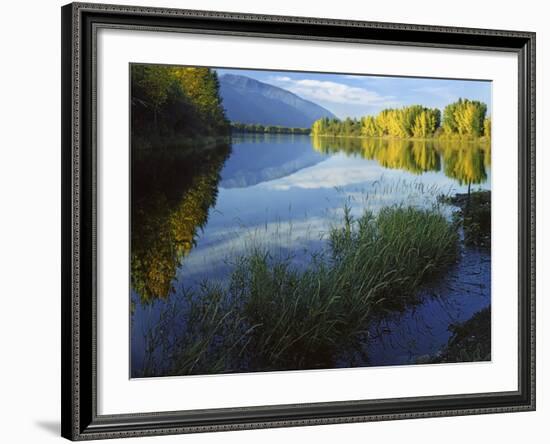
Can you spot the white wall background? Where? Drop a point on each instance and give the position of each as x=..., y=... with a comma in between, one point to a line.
x=30, y=221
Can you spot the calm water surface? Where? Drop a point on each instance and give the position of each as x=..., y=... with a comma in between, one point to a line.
x=192, y=214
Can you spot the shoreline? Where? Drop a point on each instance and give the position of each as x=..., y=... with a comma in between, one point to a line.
x=414, y=139
x=470, y=340
x=174, y=144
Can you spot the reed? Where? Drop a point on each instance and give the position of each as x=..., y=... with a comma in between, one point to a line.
x=272, y=315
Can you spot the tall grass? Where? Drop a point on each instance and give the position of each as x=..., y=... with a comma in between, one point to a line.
x=273, y=316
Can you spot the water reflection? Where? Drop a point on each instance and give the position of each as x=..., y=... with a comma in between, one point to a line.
x=466, y=165
x=265, y=157
x=194, y=208
x=172, y=194
x=261, y=179
x=463, y=161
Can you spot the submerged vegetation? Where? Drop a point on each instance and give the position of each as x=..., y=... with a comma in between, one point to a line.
x=464, y=119
x=273, y=316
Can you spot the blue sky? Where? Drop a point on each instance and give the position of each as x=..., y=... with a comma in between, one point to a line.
x=360, y=95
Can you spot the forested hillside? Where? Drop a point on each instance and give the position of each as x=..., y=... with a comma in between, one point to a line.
x=250, y=101
x=171, y=104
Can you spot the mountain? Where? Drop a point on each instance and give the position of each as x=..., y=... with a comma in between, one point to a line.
x=278, y=158
x=249, y=101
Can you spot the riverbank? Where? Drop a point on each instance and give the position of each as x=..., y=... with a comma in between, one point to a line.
x=150, y=144
x=441, y=138
x=244, y=128
x=474, y=216
x=470, y=340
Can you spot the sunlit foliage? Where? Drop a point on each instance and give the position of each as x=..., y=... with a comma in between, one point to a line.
x=464, y=118
x=174, y=109
x=464, y=161
x=406, y=122
x=487, y=127
x=174, y=101
x=466, y=165
x=167, y=213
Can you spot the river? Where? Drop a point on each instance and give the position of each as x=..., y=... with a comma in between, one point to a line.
x=192, y=214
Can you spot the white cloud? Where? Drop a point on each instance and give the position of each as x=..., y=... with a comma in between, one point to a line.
x=438, y=91
x=328, y=91
x=282, y=79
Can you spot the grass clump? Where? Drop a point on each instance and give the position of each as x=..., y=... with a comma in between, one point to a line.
x=393, y=252
x=273, y=316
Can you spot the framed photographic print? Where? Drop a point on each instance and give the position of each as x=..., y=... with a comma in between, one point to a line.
x=280, y=221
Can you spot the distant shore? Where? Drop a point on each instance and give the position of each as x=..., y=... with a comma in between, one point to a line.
x=441, y=138
x=174, y=143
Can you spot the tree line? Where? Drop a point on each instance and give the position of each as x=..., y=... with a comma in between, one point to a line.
x=239, y=127
x=464, y=118
x=175, y=102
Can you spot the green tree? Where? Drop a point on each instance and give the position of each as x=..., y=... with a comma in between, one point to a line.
x=369, y=127
x=409, y=121
x=464, y=118
x=487, y=127
x=170, y=102
x=150, y=86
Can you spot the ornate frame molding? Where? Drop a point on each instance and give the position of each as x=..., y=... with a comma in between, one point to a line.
x=79, y=408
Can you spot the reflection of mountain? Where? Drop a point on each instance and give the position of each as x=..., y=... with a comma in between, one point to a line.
x=249, y=101
x=260, y=158
x=171, y=196
x=463, y=161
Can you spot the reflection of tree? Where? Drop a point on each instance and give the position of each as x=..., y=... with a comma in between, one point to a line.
x=487, y=154
x=463, y=161
x=415, y=156
x=175, y=111
x=466, y=164
x=280, y=138
x=171, y=197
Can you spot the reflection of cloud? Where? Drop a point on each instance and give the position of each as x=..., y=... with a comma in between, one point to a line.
x=328, y=185
x=328, y=91
x=232, y=241
x=337, y=171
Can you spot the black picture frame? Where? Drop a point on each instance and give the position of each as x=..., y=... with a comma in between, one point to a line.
x=79, y=385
